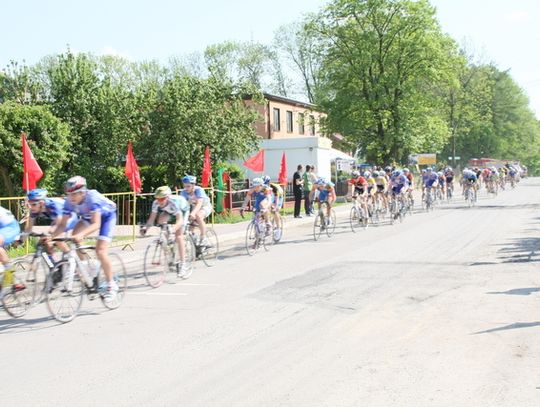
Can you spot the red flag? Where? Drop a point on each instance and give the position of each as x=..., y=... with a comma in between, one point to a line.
x=282, y=178
x=256, y=163
x=31, y=171
x=207, y=169
x=132, y=170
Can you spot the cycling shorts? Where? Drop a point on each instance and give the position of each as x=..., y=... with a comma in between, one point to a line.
x=106, y=229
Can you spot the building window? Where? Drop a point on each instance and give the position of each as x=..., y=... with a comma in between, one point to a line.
x=301, y=123
x=276, y=120
x=312, y=124
x=289, y=122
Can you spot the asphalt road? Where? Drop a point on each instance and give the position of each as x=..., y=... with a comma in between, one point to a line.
x=441, y=310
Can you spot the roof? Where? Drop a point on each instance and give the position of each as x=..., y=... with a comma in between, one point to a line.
x=286, y=100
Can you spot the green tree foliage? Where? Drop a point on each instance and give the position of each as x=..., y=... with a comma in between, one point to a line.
x=379, y=57
x=47, y=137
x=190, y=114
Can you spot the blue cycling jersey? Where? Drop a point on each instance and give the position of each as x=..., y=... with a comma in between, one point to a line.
x=93, y=202
x=6, y=217
x=54, y=207
x=198, y=193
x=175, y=204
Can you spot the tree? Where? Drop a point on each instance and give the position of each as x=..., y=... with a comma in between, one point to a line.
x=297, y=45
x=190, y=114
x=48, y=138
x=378, y=57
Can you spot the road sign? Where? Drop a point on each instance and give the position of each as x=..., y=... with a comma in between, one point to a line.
x=423, y=159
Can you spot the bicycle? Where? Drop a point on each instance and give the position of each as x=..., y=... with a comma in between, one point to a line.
x=207, y=252
x=427, y=200
x=397, y=208
x=257, y=234
x=358, y=217
x=65, y=296
x=277, y=227
x=161, y=257
x=470, y=196
x=449, y=191
x=17, y=288
x=323, y=222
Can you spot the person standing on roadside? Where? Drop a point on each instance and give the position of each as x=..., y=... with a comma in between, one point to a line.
x=297, y=190
x=313, y=177
x=308, y=184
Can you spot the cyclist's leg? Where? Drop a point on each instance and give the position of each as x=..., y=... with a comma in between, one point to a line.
x=102, y=247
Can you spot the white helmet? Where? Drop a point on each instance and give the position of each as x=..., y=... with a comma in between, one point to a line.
x=257, y=182
x=367, y=174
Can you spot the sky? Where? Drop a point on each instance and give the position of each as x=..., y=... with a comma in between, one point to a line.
x=505, y=32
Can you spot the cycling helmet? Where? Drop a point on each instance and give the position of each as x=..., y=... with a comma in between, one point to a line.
x=355, y=174
x=163, y=192
x=429, y=169
x=448, y=169
x=367, y=174
x=189, y=179
x=75, y=184
x=424, y=171
x=37, y=194
x=257, y=182
x=396, y=173
x=320, y=181
x=387, y=169
x=266, y=179
x=406, y=170
x=375, y=174
x=440, y=174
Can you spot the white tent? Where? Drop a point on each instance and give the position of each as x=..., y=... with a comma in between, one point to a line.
x=340, y=155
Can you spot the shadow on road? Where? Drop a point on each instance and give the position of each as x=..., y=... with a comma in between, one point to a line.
x=517, y=291
x=521, y=250
x=515, y=325
x=31, y=324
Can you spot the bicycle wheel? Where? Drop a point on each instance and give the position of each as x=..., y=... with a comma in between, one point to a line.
x=209, y=254
x=19, y=295
x=63, y=303
x=156, y=263
x=318, y=225
x=252, y=239
x=331, y=227
x=40, y=270
x=277, y=230
x=120, y=278
x=189, y=259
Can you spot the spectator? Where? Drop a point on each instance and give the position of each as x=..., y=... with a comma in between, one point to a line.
x=308, y=184
x=297, y=190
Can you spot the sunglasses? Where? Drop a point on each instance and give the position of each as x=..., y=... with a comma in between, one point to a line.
x=34, y=203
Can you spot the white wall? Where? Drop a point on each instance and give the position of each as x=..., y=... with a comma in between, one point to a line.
x=302, y=150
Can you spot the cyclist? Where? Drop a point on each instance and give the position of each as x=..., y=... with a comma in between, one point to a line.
x=200, y=206
x=469, y=180
x=371, y=187
x=408, y=173
x=96, y=213
x=382, y=185
x=449, y=176
x=262, y=200
x=399, y=185
x=164, y=206
x=9, y=232
x=278, y=194
x=430, y=181
x=442, y=184
x=358, y=189
x=41, y=206
x=325, y=192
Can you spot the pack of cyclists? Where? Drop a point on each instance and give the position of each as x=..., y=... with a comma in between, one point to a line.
x=84, y=211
